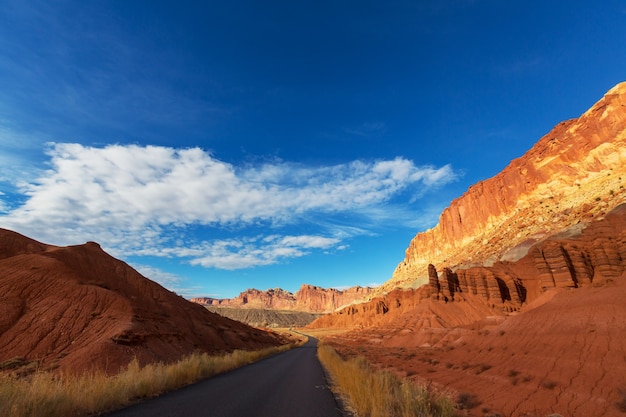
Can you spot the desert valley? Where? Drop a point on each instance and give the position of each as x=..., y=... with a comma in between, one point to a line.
x=512, y=305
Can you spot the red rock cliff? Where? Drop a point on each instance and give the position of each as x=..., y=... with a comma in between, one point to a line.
x=274, y=298
x=322, y=300
x=575, y=172
x=308, y=298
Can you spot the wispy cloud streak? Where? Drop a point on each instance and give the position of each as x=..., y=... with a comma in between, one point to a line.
x=140, y=200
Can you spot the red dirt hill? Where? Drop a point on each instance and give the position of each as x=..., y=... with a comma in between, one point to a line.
x=77, y=308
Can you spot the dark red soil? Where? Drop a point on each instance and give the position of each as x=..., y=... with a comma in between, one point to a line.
x=77, y=308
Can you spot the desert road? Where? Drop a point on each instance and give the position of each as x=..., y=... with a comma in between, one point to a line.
x=290, y=384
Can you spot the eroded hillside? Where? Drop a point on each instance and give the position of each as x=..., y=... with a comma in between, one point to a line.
x=309, y=298
x=77, y=308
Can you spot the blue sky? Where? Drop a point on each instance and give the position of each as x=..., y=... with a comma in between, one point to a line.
x=217, y=146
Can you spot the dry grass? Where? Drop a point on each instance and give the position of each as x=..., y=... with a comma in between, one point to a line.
x=373, y=393
x=324, y=332
x=45, y=394
x=621, y=404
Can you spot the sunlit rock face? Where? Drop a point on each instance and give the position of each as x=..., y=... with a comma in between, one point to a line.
x=574, y=174
x=308, y=298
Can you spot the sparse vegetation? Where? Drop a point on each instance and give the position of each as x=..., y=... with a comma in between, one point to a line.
x=513, y=374
x=373, y=393
x=621, y=404
x=12, y=363
x=467, y=401
x=43, y=394
x=549, y=384
x=482, y=368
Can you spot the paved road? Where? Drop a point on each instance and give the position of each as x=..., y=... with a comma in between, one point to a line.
x=290, y=384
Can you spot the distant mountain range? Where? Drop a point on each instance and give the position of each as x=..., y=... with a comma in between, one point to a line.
x=308, y=298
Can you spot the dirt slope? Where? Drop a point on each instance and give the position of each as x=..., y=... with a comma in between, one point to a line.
x=76, y=308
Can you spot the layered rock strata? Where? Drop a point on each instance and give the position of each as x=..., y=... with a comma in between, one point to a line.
x=309, y=298
x=273, y=298
x=575, y=172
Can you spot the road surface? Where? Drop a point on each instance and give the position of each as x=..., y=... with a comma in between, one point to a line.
x=290, y=384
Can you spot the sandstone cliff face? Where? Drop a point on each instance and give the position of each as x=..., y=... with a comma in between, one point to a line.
x=322, y=300
x=274, y=298
x=576, y=172
x=308, y=298
x=597, y=255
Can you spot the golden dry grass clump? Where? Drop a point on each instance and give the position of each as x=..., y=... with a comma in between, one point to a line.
x=373, y=393
x=43, y=394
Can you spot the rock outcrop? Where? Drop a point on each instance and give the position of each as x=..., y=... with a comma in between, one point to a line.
x=274, y=298
x=322, y=300
x=77, y=308
x=308, y=298
x=575, y=172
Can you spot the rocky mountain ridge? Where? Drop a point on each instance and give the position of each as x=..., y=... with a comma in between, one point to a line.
x=309, y=298
x=574, y=173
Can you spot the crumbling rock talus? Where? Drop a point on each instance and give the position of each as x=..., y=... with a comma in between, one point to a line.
x=77, y=308
x=308, y=298
x=575, y=172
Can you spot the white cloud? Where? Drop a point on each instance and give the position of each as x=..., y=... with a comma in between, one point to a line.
x=248, y=252
x=139, y=200
x=166, y=279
